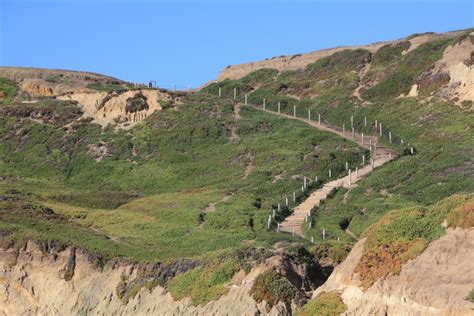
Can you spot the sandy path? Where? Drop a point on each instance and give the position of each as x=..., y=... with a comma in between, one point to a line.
x=233, y=131
x=382, y=155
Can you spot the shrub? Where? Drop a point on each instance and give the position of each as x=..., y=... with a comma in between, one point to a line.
x=136, y=103
x=107, y=87
x=344, y=60
x=470, y=296
x=8, y=88
x=390, y=52
x=462, y=216
x=335, y=252
x=272, y=288
x=260, y=76
x=203, y=284
x=325, y=304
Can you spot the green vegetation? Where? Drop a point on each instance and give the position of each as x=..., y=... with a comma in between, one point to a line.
x=109, y=87
x=325, y=304
x=402, y=235
x=8, y=89
x=438, y=129
x=199, y=179
x=273, y=288
x=166, y=189
x=338, y=62
x=203, y=284
x=333, y=252
x=389, y=53
x=411, y=66
x=470, y=296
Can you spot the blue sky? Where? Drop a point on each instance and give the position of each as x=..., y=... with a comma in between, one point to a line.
x=188, y=42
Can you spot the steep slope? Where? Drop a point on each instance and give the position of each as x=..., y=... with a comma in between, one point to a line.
x=454, y=68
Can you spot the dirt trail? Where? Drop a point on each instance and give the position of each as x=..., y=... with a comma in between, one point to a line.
x=382, y=155
x=233, y=131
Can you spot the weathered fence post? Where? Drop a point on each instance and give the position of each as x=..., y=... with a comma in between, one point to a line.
x=269, y=222
x=293, y=232
x=365, y=121
x=264, y=103
x=350, y=175
x=343, y=128
x=286, y=200
x=363, y=160
x=324, y=233
x=319, y=118
x=220, y=92
x=362, y=135
x=352, y=120
x=347, y=166
x=357, y=172
x=235, y=93
x=278, y=227
x=353, y=133
x=390, y=137
x=294, y=197
x=246, y=97
x=304, y=182
x=309, y=115
x=380, y=129
x=279, y=104
x=279, y=207
x=312, y=238
x=373, y=163
x=329, y=173
x=412, y=151
x=294, y=110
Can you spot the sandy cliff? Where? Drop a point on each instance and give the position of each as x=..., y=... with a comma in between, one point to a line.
x=33, y=283
x=435, y=283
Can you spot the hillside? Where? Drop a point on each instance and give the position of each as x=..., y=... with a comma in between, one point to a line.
x=105, y=99
x=182, y=198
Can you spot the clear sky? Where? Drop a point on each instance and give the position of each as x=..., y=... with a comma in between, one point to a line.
x=188, y=42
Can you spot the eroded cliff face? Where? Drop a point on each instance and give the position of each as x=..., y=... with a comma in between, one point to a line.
x=116, y=108
x=123, y=108
x=435, y=283
x=66, y=283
